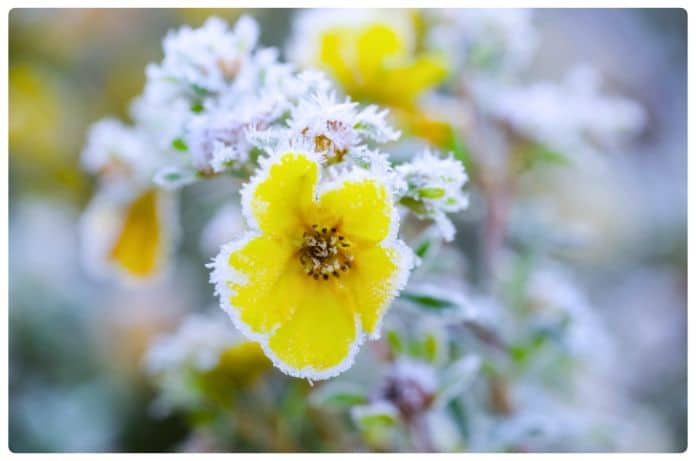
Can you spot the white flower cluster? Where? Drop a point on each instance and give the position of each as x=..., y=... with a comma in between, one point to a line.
x=200, y=63
x=490, y=41
x=434, y=188
x=338, y=131
x=119, y=153
x=572, y=116
x=494, y=50
x=216, y=102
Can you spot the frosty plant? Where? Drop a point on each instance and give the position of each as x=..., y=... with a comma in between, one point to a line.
x=322, y=259
x=339, y=196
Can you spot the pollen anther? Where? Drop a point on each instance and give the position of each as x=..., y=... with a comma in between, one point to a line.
x=323, y=253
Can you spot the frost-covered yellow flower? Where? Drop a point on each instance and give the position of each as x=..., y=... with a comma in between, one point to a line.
x=129, y=234
x=319, y=268
x=130, y=226
x=373, y=54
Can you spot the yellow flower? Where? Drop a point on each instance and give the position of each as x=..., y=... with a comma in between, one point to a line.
x=36, y=127
x=239, y=366
x=319, y=268
x=129, y=234
x=374, y=58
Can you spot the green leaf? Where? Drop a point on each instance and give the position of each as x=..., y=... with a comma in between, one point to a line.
x=180, y=145
x=427, y=245
x=457, y=378
x=422, y=249
x=461, y=152
x=199, y=90
x=414, y=205
x=431, y=347
x=395, y=342
x=197, y=107
x=375, y=414
x=430, y=302
x=535, y=154
x=416, y=349
x=174, y=177
x=381, y=419
x=431, y=192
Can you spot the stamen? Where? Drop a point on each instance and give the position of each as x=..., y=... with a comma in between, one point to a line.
x=323, y=253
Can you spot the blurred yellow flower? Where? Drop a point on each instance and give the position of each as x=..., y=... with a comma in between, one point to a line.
x=128, y=234
x=136, y=248
x=238, y=366
x=319, y=269
x=375, y=58
x=419, y=123
x=35, y=113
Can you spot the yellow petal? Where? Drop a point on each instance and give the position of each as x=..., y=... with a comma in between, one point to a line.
x=403, y=84
x=319, y=340
x=375, y=46
x=278, y=200
x=239, y=367
x=335, y=55
x=439, y=132
x=363, y=209
x=139, y=245
x=262, y=281
x=375, y=277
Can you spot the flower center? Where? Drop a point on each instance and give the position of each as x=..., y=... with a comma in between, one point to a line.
x=324, y=253
x=229, y=68
x=327, y=145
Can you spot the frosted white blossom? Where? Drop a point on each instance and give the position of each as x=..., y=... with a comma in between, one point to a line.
x=117, y=151
x=198, y=342
x=496, y=41
x=217, y=140
x=215, y=99
x=336, y=127
x=434, y=188
x=163, y=122
x=211, y=86
x=572, y=116
x=201, y=62
x=339, y=132
x=210, y=129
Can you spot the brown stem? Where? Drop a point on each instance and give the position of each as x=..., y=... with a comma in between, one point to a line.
x=495, y=224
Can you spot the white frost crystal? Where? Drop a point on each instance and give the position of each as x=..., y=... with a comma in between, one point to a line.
x=434, y=188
